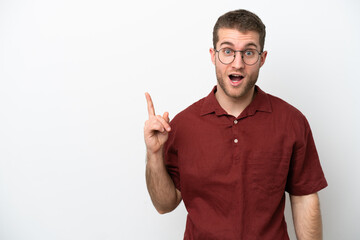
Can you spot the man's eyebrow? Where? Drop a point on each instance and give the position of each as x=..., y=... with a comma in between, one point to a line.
x=251, y=44
x=246, y=46
x=227, y=43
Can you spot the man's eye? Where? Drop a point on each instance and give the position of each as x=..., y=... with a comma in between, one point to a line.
x=249, y=53
x=228, y=51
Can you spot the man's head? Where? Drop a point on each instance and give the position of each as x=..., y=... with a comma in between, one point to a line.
x=241, y=20
x=238, y=54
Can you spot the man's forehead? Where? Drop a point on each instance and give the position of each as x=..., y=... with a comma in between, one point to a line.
x=235, y=37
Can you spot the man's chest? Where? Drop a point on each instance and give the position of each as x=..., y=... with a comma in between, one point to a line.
x=237, y=153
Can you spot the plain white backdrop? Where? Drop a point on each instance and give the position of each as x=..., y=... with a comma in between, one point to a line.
x=73, y=75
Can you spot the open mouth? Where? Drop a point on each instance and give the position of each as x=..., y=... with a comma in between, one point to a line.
x=236, y=78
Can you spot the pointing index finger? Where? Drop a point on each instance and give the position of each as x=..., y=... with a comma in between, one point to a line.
x=150, y=105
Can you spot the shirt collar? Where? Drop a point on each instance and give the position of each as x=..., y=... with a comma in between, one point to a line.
x=260, y=103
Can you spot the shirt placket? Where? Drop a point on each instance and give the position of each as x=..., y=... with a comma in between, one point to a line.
x=235, y=139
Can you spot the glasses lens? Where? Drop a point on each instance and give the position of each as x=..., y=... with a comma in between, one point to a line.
x=250, y=56
x=226, y=55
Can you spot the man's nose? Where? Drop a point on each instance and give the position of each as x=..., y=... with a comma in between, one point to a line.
x=238, y=62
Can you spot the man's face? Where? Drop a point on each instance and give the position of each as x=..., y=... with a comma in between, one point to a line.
x=237, y=80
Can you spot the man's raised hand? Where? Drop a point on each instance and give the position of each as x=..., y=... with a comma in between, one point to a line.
x=156, y=128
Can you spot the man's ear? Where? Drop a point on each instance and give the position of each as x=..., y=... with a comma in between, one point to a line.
x=263, y=58
x=212, y=54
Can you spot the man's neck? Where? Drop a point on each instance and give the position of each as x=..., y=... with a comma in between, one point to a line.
x=234, y=106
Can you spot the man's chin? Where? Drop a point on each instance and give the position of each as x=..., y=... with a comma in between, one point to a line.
x=238, y=92
x=235, y=93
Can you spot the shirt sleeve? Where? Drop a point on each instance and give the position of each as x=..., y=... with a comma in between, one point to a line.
x=171, y=157
x=305, y=173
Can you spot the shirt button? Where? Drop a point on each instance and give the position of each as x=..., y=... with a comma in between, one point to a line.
x=236, y=141
x=235, y=121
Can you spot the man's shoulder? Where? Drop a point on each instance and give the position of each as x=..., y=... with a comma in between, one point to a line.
x=285, y=112
x=281, y=106
x=190, y=112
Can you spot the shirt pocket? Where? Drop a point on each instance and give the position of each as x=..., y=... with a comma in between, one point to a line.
x=268, y=172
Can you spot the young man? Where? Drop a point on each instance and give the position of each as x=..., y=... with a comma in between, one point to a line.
x=232, y=155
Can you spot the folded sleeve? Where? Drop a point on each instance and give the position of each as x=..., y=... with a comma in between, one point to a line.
x=305, y=173
x=171, y=157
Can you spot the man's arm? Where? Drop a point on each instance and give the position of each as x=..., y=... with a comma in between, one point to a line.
x=307, y=216
x=163, y=193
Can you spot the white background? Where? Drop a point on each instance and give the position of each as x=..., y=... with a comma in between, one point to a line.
x=72, y=108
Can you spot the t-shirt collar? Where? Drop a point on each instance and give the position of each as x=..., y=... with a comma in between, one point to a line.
x=260, y=103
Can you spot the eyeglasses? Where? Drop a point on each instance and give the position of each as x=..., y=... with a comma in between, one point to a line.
x=248, y=56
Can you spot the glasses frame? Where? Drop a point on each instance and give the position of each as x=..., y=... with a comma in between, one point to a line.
x=241, y=53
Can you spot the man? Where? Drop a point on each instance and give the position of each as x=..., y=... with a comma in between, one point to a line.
x=232, y=155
